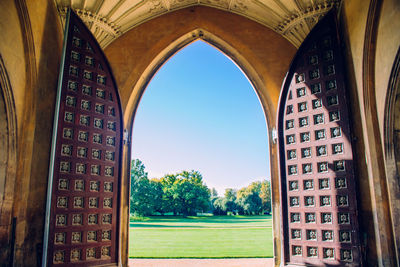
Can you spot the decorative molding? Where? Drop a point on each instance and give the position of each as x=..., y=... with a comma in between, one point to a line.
x=389, y=122
x=9, y=162
x=156, y=5
x=25, y=136
x=239, y=5
x=391, y=142
x=100, y=26
x=291, y=20
x=296, y=27
x=6, y=204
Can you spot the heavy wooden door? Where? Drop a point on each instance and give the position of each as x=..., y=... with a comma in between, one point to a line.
x=319, y=209
x=83, y=218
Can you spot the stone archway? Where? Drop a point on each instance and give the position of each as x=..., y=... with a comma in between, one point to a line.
x=8, y=161
x=392, y=148
x=262, y=54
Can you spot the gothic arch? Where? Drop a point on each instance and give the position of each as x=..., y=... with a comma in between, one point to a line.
x=392, y=147
x=263, y=56
x=249, y=72
x=8, y=156
x=176, y=46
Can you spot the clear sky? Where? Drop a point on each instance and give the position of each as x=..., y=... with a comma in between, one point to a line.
x=201, y=113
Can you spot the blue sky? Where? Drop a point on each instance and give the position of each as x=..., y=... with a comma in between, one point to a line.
x=200, y=112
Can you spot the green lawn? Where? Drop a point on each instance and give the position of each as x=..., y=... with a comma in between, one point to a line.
x=201, y=237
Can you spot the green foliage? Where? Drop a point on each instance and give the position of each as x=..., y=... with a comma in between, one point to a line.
x=157, y=194
x=137, y=169
x=265, y=195
x=185, y=193
x=214, y=192
x=230, y=200
x=191, y=194
x=140, y=189
x=219, y=205
x=168, y=203
x=145, y=197
x=182, y=193
x=138, y=218
x=251, y=200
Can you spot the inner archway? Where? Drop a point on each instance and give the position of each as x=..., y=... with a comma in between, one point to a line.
x=8, y=161
x=246, y=42
x=222, y=102
x=392, y=145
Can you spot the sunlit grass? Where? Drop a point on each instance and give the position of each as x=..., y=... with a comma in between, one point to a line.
x=201, y=237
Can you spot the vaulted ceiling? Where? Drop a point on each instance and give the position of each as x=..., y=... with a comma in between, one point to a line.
x=109, y=19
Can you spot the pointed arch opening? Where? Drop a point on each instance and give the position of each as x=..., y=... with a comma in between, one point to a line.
x=262, y=54
x=198, y=113
x=258, y=85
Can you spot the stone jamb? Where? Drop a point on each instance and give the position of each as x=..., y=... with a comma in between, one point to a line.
x=7, y=202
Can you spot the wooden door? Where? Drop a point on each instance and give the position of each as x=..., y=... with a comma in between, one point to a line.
x=84, y=220
x=319, y=207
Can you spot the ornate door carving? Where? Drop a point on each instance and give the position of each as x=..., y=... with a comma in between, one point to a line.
x=319, y=209
x=83, y=224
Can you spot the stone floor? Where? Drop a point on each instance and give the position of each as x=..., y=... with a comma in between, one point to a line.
x=253, y=262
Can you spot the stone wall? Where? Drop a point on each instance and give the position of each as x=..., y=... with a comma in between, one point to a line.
x=30, y=50
x=262, y=54
x=371, y=43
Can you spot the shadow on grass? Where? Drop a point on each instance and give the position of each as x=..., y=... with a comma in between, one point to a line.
x=144, y=225
x=209, y=219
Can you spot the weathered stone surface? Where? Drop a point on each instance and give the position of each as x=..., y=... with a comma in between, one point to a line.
x=258, y=39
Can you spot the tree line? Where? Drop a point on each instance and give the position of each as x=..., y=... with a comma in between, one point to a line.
x=186, y=194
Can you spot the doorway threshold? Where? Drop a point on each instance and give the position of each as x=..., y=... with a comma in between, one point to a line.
x=239, y=262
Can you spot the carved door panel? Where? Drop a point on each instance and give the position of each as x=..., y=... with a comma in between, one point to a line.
x=83, y=225
x=319, y=209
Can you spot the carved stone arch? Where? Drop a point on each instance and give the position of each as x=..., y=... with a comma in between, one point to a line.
x=392, y=148
x=8, y=159
x=215, y=41
x=258, y=85
x=262, y=54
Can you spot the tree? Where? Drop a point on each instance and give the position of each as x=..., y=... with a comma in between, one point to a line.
x=185, y=193
x=146, y=195
x=137, y=169
x=158, y=193
x=139, y=185
x=230, y=200
x=190, y=194
x=249, y=200
x=219, y=206
x=214, y=192
x=265, y=195
x=142, y=197
x=168, y=202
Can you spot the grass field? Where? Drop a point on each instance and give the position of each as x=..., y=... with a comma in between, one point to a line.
x=201, y=237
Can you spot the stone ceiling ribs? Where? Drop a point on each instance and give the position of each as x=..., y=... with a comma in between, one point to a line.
x=109, y=19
